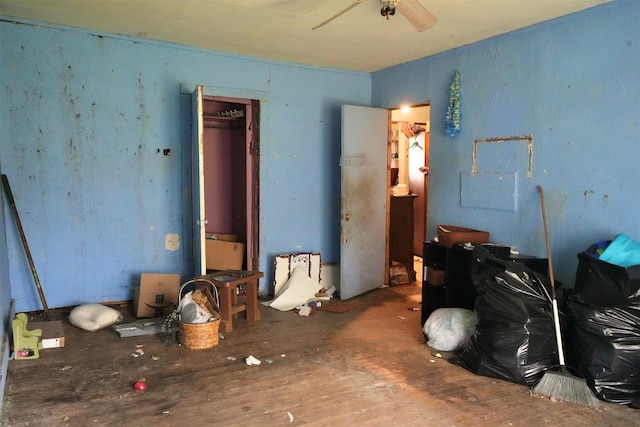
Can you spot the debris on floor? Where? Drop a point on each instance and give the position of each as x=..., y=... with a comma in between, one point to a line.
x=307, y=309
x=304, y=310
x=297, y=282
x=298, y=290
x=139, y=327
x=139, y=352
x=252, y=361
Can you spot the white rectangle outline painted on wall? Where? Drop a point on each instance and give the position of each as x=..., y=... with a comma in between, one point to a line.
x=504, y=185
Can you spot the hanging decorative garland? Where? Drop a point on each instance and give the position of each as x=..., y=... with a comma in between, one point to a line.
x=453, y=119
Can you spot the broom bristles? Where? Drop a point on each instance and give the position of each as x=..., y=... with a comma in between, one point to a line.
x=565, y=387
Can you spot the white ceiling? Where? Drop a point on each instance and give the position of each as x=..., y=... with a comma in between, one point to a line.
x=280, y=30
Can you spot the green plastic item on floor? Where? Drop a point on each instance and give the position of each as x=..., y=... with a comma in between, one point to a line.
x=26, y=343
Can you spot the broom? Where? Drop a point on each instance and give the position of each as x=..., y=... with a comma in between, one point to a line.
x=560, y=385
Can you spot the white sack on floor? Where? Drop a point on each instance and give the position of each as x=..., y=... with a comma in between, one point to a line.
x=298, y=290
x=92, y=317
x=450, y=329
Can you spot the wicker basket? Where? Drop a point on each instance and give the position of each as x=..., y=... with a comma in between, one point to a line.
x=199, y=336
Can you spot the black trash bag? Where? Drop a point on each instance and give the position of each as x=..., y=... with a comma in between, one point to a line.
x=604, y=344
x=605, y=284
x=514, y=338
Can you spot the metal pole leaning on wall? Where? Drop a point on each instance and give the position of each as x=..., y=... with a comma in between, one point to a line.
x=7, y=189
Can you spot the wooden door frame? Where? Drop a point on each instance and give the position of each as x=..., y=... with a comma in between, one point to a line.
x=252, y=160
x=425, y=202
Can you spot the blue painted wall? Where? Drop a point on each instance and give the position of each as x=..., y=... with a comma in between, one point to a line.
x=572, y=83
x=83, y=116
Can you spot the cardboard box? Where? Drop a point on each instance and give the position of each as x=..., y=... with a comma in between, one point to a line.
x=52, y=333
x=399, y=275
x=450, y=235
x=225, y=237
x=157, y=295
x=224, y=252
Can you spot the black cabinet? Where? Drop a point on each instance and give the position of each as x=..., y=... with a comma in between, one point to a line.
x=447, y=278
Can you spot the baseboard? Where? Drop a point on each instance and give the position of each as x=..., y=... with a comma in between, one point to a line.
x=64, y=311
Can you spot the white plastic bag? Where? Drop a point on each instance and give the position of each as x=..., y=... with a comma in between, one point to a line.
x=450, y=329
x=190, y=312
x=92, y=317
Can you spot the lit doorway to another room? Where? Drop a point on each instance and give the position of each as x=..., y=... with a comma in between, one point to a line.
x=231, y=175
x=409, y=177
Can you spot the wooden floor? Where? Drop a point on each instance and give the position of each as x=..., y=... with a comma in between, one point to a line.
x=367, y=366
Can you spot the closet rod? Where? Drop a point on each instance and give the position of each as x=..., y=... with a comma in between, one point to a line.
x=231, y=114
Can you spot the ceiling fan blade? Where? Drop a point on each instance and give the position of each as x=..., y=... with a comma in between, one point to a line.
x=354, y=4
x=416, y=14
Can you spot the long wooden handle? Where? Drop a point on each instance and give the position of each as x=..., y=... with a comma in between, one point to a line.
x=547, y=240
x=554, y=302
x=7, y=189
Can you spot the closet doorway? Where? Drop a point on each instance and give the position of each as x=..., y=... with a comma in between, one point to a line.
x=229, y=192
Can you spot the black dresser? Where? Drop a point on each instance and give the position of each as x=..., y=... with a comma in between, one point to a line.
x=446, y=276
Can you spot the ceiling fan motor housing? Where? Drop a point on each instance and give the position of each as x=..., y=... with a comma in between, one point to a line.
x=412, y=10
x=388, y=8
x=386, y=11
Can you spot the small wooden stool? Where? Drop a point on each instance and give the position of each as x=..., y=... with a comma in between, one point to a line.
x=227, y=283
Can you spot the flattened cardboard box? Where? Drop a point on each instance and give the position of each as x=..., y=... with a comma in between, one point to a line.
x=223, y=254
x=52, y=333
x=157, y=295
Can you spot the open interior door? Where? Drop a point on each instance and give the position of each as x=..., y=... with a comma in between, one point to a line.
x=199, y=221
x=363, y=199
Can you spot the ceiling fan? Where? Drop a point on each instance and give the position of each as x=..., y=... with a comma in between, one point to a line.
x=415, y=13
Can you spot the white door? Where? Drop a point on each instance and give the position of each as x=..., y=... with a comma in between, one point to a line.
x=364, y=199
x=197, y=163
